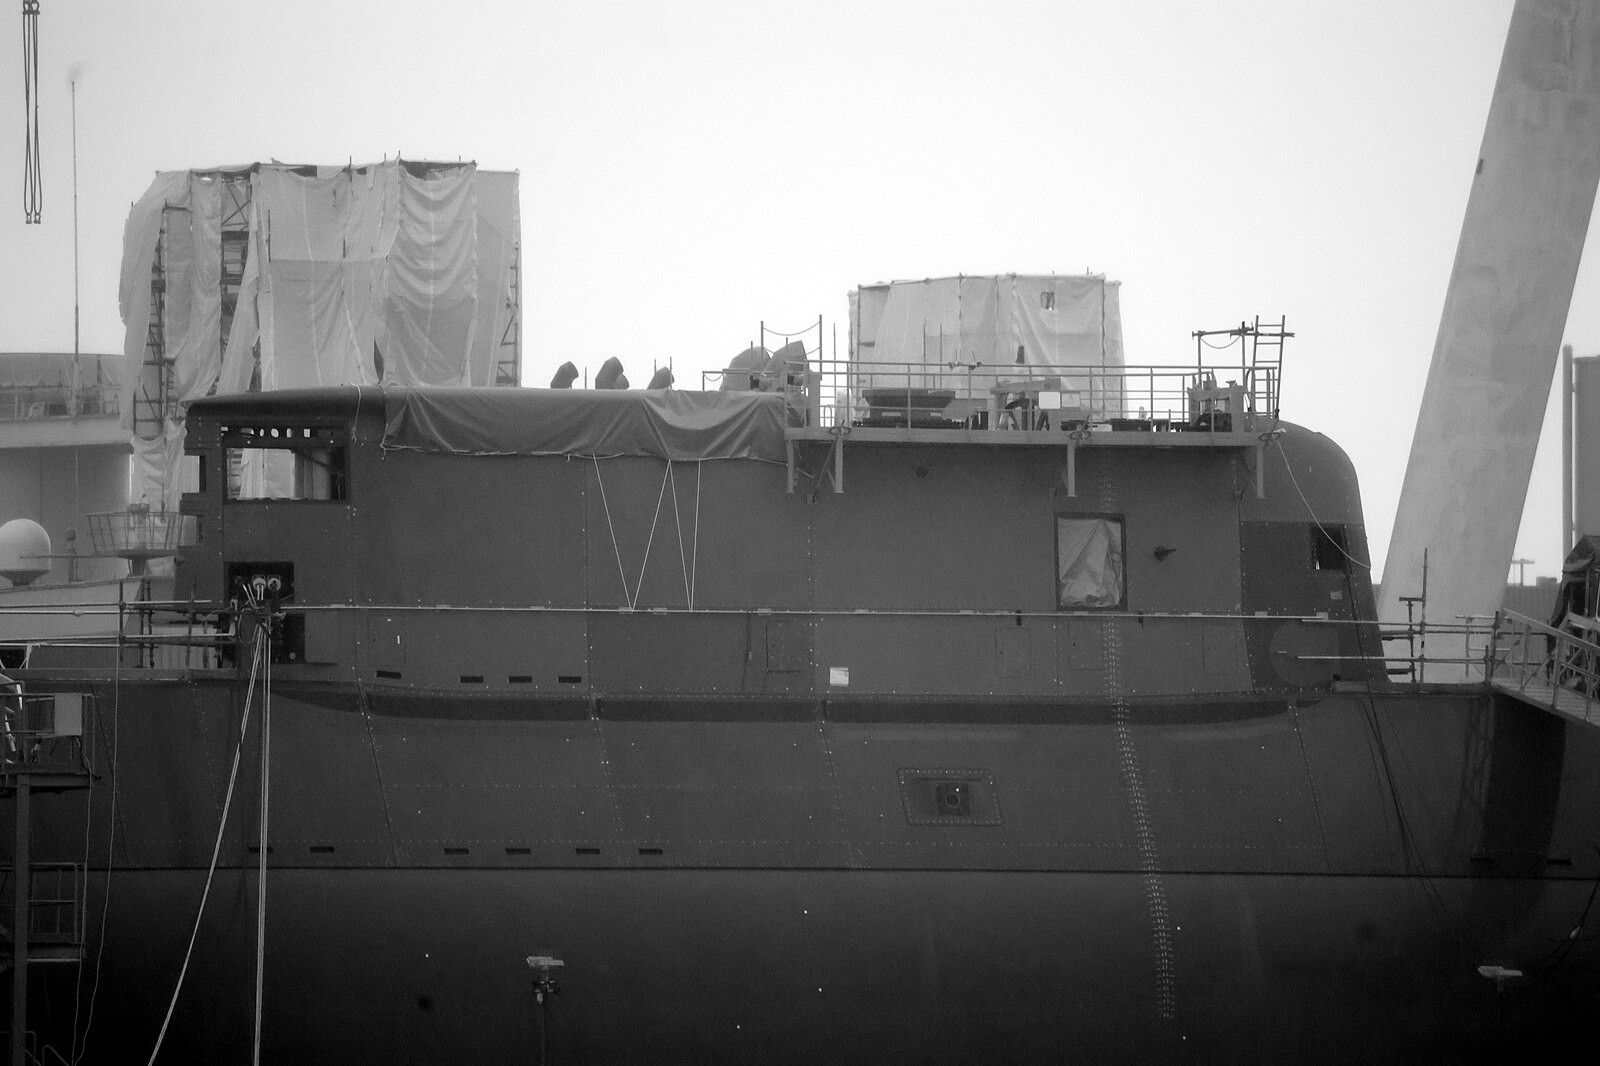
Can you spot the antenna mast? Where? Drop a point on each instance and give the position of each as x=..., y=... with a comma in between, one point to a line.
x=32, y=194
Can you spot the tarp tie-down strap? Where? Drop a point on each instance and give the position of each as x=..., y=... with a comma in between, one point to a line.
x=631, y=596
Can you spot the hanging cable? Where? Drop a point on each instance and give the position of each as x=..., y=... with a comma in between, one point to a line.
x=32, y=193
x=216, y=848
x=261, y=871
x=81, y=1047
x=599, y=480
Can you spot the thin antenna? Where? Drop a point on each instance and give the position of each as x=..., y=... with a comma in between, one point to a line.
x=32, y=191
x=74, y=84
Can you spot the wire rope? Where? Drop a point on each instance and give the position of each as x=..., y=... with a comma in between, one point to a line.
x=216, y=848
x=262, y=851
x=77, y=1051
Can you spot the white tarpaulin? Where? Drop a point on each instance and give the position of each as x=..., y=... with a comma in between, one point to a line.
x=1527, y=213
x=966, y=333
x=431, y=281
x=1053, y=321
x=411, y=267
x=393, y=272
x=499, y=252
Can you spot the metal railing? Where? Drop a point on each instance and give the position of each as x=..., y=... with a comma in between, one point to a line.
x=840, y=392
x=1539, y=660
x=43, y=731
x=22, y=403
x=55, y=914
x=140, y=532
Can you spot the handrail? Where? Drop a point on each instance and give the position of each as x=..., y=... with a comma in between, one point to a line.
x=845, y=391
x=1533, y=658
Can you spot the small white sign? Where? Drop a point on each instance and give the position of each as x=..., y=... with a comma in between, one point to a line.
x=839, y=676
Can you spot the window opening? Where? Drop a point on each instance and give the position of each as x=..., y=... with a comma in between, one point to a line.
x=1089, y=554
x=1328, y=548
x=285, y=463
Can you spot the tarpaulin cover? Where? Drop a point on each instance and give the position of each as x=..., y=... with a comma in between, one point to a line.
x=671, y=424
x=1055, y=322
x=415, y=264
x=1578, y=580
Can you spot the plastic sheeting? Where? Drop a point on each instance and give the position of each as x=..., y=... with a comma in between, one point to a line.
x=1040, y=321
x=413, y=265
x=1089, y=562
x=160, y=477
x=674, y=424
x=1500, y=332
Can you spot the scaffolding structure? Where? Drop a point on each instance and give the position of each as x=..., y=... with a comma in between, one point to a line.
x=156, y=402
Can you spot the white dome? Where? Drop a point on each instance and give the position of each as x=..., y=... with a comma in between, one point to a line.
x=24, y=551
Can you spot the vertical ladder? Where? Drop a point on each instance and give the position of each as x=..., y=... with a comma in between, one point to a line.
x=1262, y=377
x=150, y=392
x=508, y=365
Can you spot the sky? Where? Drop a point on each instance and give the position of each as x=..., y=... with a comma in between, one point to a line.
x=692, y=169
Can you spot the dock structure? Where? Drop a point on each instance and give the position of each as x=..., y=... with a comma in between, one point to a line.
x=1557, y=670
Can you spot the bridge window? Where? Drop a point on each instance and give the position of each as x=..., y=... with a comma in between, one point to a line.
x=1089, y=555
x=285, y=463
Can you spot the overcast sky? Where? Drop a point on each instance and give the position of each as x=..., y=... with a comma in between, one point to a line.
x=691, y=169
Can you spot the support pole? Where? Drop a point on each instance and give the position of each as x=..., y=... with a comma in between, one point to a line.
x=22, y=877
x=1569, y=521
x=838, y=461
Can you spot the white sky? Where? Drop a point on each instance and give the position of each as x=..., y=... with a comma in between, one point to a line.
x=690, y=169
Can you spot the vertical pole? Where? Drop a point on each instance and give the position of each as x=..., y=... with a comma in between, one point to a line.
x=22, y=878
x=74, y=85
x=1569, y=532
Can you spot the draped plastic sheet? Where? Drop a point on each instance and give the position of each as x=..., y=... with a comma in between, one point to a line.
x=198, y=354
x=669, y=424
x=431, y=281
x=341, y=261
x=499, y=252
x=306, y=322
x=1089, y=562
x=1057, y=322
x=238, y=361
x=1505, y=309
x=158, y=473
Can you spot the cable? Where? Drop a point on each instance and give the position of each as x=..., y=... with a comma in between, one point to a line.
x=111, y=840
x=261, y=872
x=216, y=848
x=621, y=573
x=1278, y=440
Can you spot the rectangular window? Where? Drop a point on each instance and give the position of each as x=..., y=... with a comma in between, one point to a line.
x=1089, y=570
x=1328, y=549
x=285, y=463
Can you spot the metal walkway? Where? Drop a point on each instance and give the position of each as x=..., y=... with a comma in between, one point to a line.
x=1557, y=670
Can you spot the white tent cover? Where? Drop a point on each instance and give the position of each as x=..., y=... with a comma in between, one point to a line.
x=395, y=273
x=1040, y=321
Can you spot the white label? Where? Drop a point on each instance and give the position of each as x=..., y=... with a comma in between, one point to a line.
x=839, y=676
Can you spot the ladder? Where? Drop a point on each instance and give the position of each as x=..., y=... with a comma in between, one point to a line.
x=1262, y=378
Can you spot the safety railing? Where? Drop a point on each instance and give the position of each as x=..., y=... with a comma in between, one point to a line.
x=43, y=731
x=21, y=403
x=1556, y=667
x=55, y=916
x=140, y=532
x=835, y=392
